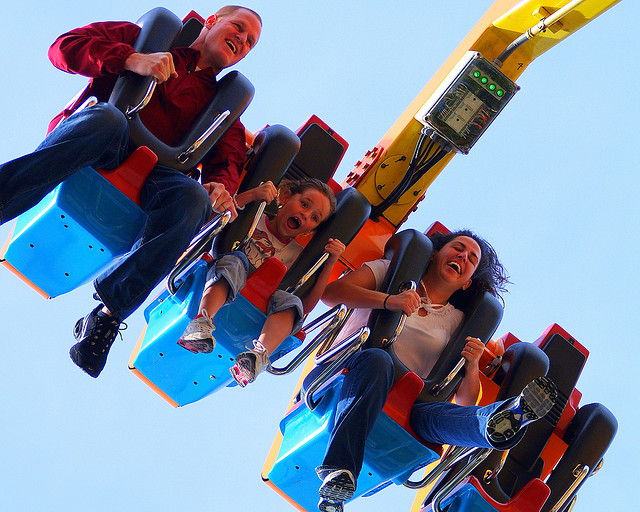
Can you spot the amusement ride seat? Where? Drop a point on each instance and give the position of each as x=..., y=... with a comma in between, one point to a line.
x=393, y=452
x=546, y=469
x=94, y=217
x=182, y=377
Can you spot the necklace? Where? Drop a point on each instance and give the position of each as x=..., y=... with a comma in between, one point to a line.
x=426, y=304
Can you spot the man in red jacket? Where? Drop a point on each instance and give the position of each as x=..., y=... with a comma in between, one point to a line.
x=98, y=136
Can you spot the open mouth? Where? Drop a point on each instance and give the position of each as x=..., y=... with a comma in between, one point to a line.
x=231, y=45
x=293, y=223
x=455, y=266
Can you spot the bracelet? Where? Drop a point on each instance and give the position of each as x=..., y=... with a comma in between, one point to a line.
x=384, y=304
x=235, y=203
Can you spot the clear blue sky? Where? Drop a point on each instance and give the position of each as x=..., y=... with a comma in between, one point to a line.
x=553, y=185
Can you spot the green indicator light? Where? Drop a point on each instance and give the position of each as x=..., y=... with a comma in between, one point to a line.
x=492, y=87
x=476, y=73
x=484, y=79
x=500, y=92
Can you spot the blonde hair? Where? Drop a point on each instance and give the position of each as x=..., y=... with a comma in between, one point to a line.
x=230, y=9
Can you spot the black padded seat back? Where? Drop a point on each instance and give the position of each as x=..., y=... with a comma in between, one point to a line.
x=521, y=363
x=319, y=155
x=409, y=252
x=234, y=92
x=273, y=150
x=190, y=31
x=589, y=435
x=524, y=461
x=352, y=211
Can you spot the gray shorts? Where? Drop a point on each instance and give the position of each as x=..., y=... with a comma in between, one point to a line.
x=233, y=267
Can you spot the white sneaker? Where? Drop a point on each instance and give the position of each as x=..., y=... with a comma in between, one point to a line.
x=250, y=364
x=198, y=337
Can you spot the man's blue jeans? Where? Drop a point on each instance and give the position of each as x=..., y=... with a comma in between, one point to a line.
x=176, y=205
x=363, y=395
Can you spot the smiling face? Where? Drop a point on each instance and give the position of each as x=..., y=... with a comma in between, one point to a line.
x=224, y=41
x=456, y=261
x=300, y=213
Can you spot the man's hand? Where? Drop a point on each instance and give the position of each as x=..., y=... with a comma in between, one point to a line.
x=158, y=65
x=221, y=200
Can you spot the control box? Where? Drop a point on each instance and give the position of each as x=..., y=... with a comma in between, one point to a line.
x=467, y=101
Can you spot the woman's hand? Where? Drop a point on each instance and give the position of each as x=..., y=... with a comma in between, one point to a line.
x=408, y=302
x=472, y=351
x=335, y=248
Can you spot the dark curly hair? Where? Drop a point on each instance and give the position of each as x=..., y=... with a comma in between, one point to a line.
x=490, y=276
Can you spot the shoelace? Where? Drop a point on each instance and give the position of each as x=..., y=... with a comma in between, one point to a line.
x=109, y=326
x=204, y=324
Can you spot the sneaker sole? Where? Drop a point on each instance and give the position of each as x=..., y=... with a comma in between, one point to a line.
x=340, y=488
x=78, y=360
x=330, y=506
x=535, y=401
x=238, y=376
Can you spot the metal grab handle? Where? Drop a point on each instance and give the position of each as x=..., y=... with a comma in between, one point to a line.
x=476, y=460
x=219, y=119
x=131, y=111
x=350, y=345
x=239, y=245
x=409, y=285
x=450, y=458
x=438, y=387
x=490, y=474
x=206, y=234
x=330, y=320
x=310, y=272
x=580, y=472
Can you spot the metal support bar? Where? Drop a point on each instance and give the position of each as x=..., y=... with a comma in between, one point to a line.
x=580, y=472
x=410, y=285
x=331, y=320
x=310, y=272
x=478, y=457
x=438, y=387
x=349, y=345
x=131, y=111
x=219, y=119
x=200, y=241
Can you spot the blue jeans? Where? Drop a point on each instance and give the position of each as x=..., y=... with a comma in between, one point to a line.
x=362, y=397
x=233, y=267
x=176, y=205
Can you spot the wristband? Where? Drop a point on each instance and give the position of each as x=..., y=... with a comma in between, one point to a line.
x=235, y=203
x=384, y=304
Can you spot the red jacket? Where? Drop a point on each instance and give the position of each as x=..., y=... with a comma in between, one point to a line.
x=99, y=51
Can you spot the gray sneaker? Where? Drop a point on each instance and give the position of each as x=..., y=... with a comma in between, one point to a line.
x=198, y=337
x=535, y=401
x=250, y=364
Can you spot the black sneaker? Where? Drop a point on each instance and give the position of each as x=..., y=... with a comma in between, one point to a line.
x=535, y=401
x=339, y=485
x=95, y=333
x=326, y=505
